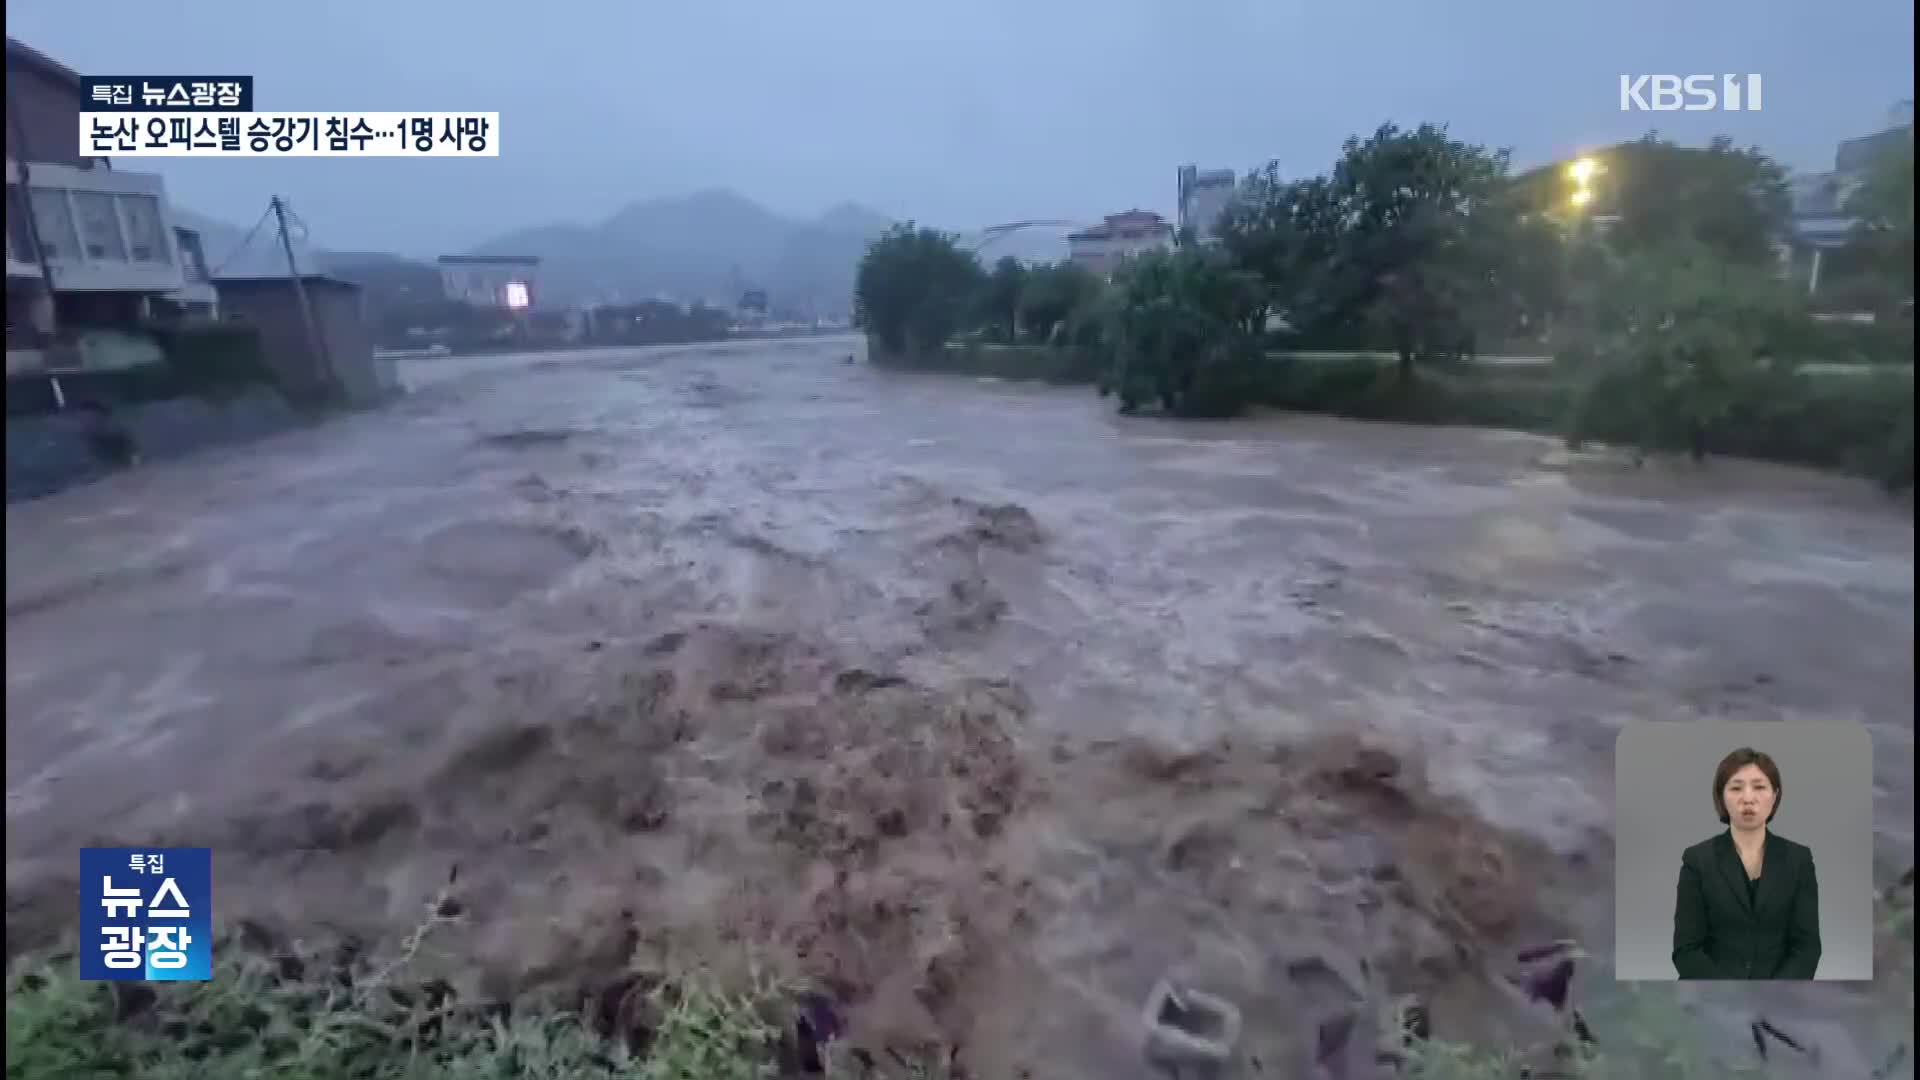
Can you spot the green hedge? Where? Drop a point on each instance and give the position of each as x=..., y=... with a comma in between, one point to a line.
x=211, y=361
x=1886, y=341
x=215, y=359
x=1861, y=422
x=1858, y=422
x=1881, y=342
x=1369, y=387
x=1043, y=363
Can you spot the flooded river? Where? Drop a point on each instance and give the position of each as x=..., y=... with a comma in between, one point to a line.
x=973, y=702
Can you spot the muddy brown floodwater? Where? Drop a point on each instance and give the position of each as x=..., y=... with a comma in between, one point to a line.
x=973, y=702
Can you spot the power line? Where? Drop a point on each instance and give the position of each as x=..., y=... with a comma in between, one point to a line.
x=306, y=231
x=302, y=231
x=244, y=244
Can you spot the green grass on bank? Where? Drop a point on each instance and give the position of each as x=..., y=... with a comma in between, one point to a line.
x=263, y=1016
x=249, y=1024
x=251, y=1021
x=303, y=1014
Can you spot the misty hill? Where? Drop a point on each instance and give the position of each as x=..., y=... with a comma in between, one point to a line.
x=1029, y=246
x=709, y=245
x=220, y=242
x=262, y=256
x=387, y=278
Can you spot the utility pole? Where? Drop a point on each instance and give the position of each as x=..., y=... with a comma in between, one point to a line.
x=314, y=340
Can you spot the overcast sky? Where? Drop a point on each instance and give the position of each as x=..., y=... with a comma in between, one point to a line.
x=958, y=113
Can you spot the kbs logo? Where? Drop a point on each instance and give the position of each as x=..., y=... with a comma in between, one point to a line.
x=1689, y=93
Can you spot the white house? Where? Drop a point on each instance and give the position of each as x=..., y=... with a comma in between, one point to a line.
x=1102, y=248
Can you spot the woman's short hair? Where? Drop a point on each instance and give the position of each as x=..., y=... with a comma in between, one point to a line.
x=1733, y=763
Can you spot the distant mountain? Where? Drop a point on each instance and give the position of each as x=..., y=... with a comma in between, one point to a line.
x=261, y=256
x=233, y=251
x=713, y=244
x=1027, y=245
x=710, y=245
x=852, y=217
x=387, y=280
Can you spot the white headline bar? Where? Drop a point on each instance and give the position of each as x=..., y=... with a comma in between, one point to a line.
x=289, y=134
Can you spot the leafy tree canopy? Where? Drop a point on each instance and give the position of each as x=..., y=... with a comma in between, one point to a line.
x=1184, y=333
x=914, y=288
x=1051, y=296
x=1882, y=207
x=1732, y=202
x=1682, y=336
x=1000, y=293
x=1424, y=233
x=1287, y=233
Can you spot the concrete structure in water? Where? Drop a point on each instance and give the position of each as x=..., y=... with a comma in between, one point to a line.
x=1104, y=247
x=86, y=244
x=343, y=368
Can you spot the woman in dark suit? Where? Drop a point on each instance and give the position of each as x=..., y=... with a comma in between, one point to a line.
x=1748, y=905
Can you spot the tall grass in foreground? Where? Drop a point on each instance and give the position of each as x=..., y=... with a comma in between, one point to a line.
x=304, y=1018
x=248, y=1023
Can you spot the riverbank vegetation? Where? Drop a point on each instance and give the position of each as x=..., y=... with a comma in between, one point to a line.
x=281, y=1010
x=1419, y=280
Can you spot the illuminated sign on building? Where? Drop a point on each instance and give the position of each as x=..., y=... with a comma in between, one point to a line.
x=507, y=282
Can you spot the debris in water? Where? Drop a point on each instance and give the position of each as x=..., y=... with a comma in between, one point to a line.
x=1004, y=525
x=1762, y=1029
x=1416, y=1024
x=1580, y=1029
x=818, y=1024
x=527, y=438
x=1330, y=1048
x=1551, y=985
x=860, y=680
x=1189, y=1029
x=1541, y=952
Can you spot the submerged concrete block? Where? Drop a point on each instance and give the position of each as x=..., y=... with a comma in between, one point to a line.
x=1190, y=1033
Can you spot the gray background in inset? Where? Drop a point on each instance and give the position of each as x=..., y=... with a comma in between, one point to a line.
x=1663, y=804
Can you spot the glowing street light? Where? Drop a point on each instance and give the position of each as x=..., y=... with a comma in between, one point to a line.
x=1582, y=171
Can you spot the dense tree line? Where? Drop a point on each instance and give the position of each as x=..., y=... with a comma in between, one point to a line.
x=1662, y=295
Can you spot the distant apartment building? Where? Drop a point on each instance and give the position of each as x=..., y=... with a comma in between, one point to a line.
x=1103, y=247
x=502, y=282
x=1820, y=221
x=1820, y=199
x=1203, y=196
x=87, y=244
